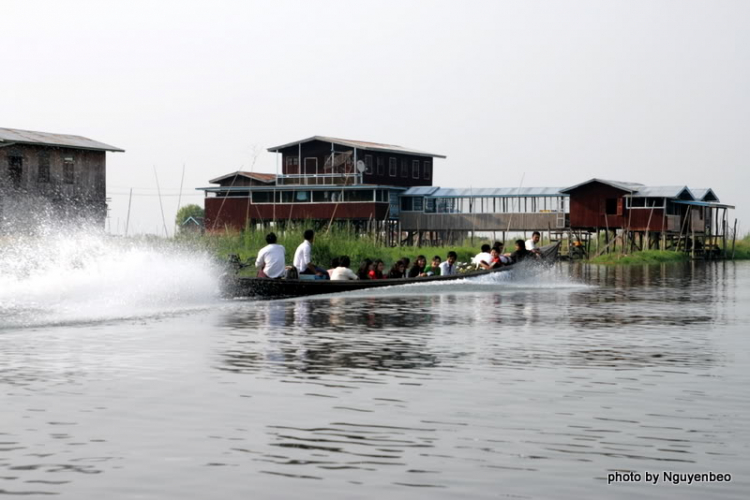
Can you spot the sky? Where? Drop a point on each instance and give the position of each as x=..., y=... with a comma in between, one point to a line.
x=532, y=93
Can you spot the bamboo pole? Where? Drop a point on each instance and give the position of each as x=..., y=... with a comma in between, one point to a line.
x=221, y=207
x=734, y=235
x=127, y=221
x=161, y=206
x=179, y=197
x=648, y=226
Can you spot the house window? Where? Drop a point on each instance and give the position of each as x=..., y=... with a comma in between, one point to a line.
x=407, y=204
x=359, y=195
x=418, y=204
x=327, y=196
x=392, y=167
x=611, y=206
x=68, y=171
x=15, y=170
x=415, y=169
x=368, y=164
x=404, y=169
x=427, y=170
x=43, y=174
x=429, y=205
x=381, y=166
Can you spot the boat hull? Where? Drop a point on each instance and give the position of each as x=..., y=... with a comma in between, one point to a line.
x=240, y=287
x=283, y=288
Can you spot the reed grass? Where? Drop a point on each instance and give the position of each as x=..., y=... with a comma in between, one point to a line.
x=741, y=249
x=641, y=257
x=328, y=245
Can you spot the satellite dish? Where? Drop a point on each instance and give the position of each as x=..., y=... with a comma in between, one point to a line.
x=360, y=166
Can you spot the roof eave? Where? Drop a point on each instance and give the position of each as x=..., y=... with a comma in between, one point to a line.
x=347, y=144
x=601, y=181
x=105, y=147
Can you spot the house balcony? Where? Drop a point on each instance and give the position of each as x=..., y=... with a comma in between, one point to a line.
x=319, y=179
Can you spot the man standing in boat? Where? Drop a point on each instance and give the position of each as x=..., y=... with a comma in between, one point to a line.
x=271, y=259
x=303, y=257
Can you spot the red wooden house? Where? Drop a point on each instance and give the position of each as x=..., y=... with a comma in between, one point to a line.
x=320, y=178
x=599, y=204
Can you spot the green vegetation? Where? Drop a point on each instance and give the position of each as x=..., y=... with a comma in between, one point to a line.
x=337, y=242
x=644, y=257
x=741, y=249
x=186, y=212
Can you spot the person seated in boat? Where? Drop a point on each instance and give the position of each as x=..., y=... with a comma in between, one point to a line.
x=398, y=270
x=532, y=245
x=406, y=261
x=504, y=258
x=377, y=270
x=449, y=268
x=495, y=260
x=483, y=256
x=271, y=259
x=334, y=265
x=343, y=273
x=303, y=257
x=364, y=269
x=434, y=268
x=521, y=253
x=418, y=269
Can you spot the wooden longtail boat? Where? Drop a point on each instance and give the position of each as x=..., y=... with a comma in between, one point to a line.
x=238, y=286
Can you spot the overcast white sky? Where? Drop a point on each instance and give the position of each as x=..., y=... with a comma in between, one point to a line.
x=655, y=92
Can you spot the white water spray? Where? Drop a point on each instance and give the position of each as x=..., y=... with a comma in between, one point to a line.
x=63, y=276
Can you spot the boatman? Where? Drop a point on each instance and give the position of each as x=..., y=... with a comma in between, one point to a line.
x=303, y=257
x=271, y=259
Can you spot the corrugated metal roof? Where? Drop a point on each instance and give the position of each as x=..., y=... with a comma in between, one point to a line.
x=704, y=194
x=703, y=204
x=483, y=192
x=420, y=191
x=297, y=187
x=659, y=192
x=364, y=145
x=258, y=176
x=625, y=186
x=49, y=139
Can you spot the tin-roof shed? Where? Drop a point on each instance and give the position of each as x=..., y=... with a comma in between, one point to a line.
x=10, y=136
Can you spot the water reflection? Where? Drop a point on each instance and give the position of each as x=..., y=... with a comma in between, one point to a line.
x=521, y=387
x=609, y=322
x=323, y=336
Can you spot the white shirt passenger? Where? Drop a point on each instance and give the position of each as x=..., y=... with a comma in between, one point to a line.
x=446, y=269
x=342, y=274
x=303, y=256
x=483, y=256
x=530, y=245
x=271, y=259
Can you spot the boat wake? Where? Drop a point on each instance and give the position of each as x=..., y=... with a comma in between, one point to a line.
x=64, y=277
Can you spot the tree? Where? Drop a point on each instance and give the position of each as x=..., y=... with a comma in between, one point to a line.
x=185, y=213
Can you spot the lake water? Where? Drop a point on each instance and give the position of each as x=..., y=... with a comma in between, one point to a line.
x=524, y=386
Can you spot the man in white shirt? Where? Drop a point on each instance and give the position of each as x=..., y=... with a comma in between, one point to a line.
x=343, y=273
x=271, y=259
x=303, y=256
x=531, y=245
x=449, y=268
x=483, y=256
